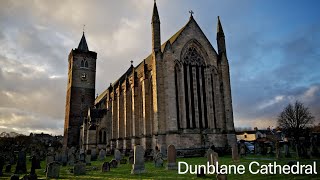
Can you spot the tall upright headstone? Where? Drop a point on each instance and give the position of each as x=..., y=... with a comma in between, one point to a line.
x=53, y=170
x=172, y=157
x=235, y=153
x=117, y=155
x=21, y=163
x=102, y=154
x=138, y=165
x=79, y=168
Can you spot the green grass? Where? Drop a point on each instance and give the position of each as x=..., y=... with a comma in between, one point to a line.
x=124, y=170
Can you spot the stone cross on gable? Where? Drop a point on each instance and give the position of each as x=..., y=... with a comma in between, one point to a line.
x=191, y=12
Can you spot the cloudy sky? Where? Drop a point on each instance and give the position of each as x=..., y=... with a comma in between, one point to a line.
x=273, y=49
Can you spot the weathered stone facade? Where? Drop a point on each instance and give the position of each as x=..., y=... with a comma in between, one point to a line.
x=180, y=94
x=80, y=91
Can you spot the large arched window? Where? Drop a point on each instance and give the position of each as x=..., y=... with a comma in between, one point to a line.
x=191, y=82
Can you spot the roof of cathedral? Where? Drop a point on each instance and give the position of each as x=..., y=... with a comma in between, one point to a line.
x=147, y=60
x=83, y=46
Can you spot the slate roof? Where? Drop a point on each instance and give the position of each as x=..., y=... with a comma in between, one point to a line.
x=83, y=46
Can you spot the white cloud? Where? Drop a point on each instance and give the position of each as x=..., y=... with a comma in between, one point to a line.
x=275, y=100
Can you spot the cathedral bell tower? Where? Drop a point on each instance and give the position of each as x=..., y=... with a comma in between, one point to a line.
x=80, y=91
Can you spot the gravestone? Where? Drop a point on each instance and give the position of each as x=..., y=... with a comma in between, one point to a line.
x=88, y=159
x=14, y=177
x=8, y=168
x=21, y=163
x=50, y=158
x=157, y=158
x=123, y=161
x=138, y=166
x=82, y=157
x=113, y=163
x=35, y=162
x=131, y=159
x=117, y=155
x=64, y=159
x=102, y=154
x=172, y=157
x=201, y=173
x=105, y=167
x=2, y=161
x=93, y=154
x=242, y=148
x=58, y=156
x=53, y=170
x=79, y=168
x=71, y=159
x=286, y=150
x=235, y=154
x=108, y=150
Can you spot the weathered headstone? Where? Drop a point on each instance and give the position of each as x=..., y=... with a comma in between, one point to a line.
x=14, y=177
x=71, y=159
x=157, y=158
x=235, y=154
x=242, y=149
x=102, y=154
x=286, y=150
x=201, y=173
x=35, y=162
x=138, y=166
x=131, y=159
x=82, y=157
x=64, y=159
x=113, y=163
x=2, y=161
x=117, y=155
x=21, y=163
x=8, y=168
x=79, y=168
x=50, y=158
x=105, y=167
x=93, y=154
x=53, y=170
x=88, y=159
x=172, y=157
x=123, y=161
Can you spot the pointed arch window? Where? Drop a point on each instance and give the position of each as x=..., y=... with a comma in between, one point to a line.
x=86, y=64
x=82, y=63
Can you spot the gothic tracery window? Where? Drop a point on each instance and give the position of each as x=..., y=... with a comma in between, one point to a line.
x=190, y=80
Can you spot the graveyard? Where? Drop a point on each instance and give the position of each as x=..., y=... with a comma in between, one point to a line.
x=118, y=168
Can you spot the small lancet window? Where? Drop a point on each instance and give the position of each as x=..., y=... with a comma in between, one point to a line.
x=86, y=64
x=82, y=63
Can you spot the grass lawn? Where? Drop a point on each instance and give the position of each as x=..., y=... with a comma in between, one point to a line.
x=124, y=170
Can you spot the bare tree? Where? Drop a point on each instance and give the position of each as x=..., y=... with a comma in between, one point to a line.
x=295, y=118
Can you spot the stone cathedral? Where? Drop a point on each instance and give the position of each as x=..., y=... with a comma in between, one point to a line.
x=180, y=94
